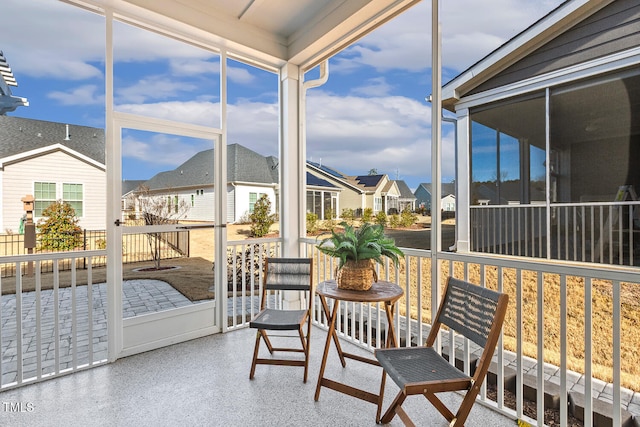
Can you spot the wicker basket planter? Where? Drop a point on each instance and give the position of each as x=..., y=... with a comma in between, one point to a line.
x=357, y=275
x=357, y=251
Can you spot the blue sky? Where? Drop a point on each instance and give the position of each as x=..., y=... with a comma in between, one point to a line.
x=371, y=114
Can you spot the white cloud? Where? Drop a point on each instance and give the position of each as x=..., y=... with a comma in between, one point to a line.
x=82, y=95
x=470, y=30
x=373, y=87
x=153, y=87
x=195, y=112
x=160, y=149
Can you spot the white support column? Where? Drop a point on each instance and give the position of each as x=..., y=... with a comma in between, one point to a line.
x=463, y=197
x=292, y=162
x=292, y=170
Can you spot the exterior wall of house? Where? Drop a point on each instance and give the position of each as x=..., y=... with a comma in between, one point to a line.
x=612, y=29
x=200, y=203
x=242, y=194
x=448, y=203
x=349, y=199
x=59, y=167
x=423, y=197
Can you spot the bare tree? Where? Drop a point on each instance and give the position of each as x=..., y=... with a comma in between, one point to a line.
x=159, y=209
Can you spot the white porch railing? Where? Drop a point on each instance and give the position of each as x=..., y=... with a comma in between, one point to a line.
x=599, y=232
x=40, y=336
x=592, y=301
x=558, y=304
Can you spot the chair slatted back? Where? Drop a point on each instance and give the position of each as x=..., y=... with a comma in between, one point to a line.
x=469, y=310
x=288, y=274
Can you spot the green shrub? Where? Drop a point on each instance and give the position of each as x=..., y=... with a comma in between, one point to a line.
x=408, y=218
x=367, y=215
x=261, y=218
x=59, y=229
x=381, y=218
x=394, y=221
x=312, y=222
x=348, y=215
x=329, y=219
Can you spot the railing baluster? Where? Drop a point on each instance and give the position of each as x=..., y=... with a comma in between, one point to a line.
x=56, y=316
x=563, y=351
x=540, y=356
x=616, y=356
x=19, y=357
x=588, y=353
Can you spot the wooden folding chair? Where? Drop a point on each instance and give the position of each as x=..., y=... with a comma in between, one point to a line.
x=472, y=311
x=284, y=274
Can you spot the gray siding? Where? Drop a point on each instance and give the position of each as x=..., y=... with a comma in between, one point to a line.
x=613, y=29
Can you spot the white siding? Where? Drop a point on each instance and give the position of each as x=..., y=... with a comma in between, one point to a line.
x=242, y=198
x=59, y=167
x=231, y=204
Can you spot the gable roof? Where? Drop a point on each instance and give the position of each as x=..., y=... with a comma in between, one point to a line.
x=129, y=185
x=562, y=18
x=19, y=135
x=243, y=165
x=405, y=191
x=447, y=188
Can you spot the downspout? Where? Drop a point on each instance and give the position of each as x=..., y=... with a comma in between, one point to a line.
x=302, y=116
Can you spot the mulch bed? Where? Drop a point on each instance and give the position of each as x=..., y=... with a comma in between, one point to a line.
x=529, y=408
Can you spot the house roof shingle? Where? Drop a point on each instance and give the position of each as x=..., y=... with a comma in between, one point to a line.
x=405, y=191
x=19, y=135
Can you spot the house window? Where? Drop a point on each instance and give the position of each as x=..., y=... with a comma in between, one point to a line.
x=377, y=204
x=175, y=204
x=72, y=194
x=253, y=198
x=192, y=201
x=45, y=194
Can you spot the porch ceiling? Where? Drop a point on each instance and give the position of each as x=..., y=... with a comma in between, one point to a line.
x=302, y=32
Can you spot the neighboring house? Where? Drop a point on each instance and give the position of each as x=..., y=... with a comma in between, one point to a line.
x=130, y=187
x=447, y=201
x=377, y=192
x=249, y=176
x=407, y=199
x=552, y=116
x=350, y=196
x=51, y=161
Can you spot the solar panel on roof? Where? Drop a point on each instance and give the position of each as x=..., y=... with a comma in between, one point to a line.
x=369, y=180
x=318, y=182
x=326, y=169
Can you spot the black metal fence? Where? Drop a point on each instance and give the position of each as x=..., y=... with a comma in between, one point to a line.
x=135, y=248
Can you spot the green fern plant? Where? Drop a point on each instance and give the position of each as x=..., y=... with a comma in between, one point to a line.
x=356, y=244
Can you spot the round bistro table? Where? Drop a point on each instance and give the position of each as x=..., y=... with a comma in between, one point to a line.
x=381, y=291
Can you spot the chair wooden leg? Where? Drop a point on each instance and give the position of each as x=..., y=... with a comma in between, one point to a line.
x=391, y=412
x=255, y=354
x=467, y=404
x=381, y=395
x=265, y=337
x=437, y=403
x=305, y=350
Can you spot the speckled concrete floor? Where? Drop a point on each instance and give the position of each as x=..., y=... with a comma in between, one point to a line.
x=205, y=382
